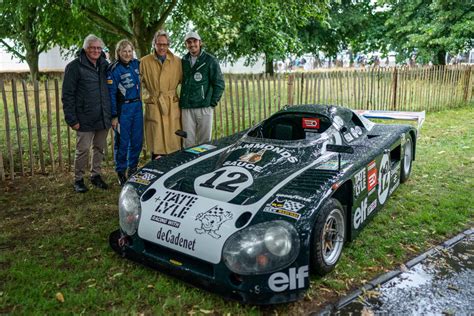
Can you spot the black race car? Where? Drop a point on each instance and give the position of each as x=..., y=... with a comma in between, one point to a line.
x=250, y=215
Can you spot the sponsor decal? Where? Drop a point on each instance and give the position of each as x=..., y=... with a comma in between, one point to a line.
x=249, y=166
x=354, y=132
x=395, y=178
x=280, y=281
x=175, y=204
x=200, y=149
x=362, y=212
x=278, y=150
x=384, y=179
x=294, y=197
x=338, y=122
x=348, y=137
x=170, y=237
x=224, y=183
x=198, y=76
x=142, y=177
x=358, y=130
x=332, y=164
x=165, y=221
x=311, y=123
x=284, y=207
x=371, y=176
x=360, y=182
x=211, y=221
x=152, y=170
x=252, y=157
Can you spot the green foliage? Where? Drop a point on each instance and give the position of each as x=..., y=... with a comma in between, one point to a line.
x=136, y=20
x=430, y=27
x=248, y=28
x=34, y=27
x=349, y=25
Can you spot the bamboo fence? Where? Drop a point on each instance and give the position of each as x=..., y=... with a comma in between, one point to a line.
x=35, y=139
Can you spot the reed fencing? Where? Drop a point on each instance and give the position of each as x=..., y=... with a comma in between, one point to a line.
x=35, y=139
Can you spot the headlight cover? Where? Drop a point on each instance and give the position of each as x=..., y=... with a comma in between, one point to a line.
x=262, y=248
x=129, y=210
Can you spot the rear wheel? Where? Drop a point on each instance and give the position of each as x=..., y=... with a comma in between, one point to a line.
x=328, y=237
x=407, y=160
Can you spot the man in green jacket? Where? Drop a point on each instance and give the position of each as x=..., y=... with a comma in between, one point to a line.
x=202, y=88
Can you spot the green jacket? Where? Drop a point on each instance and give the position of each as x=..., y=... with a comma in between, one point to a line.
x=203, y=84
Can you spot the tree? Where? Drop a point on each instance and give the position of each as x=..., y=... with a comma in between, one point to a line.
x=253, y=28
x=137, y=20
x=33, y=27
x=350, y=25
x=431, y=28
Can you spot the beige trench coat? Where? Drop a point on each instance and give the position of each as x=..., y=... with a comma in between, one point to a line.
x=162, y=112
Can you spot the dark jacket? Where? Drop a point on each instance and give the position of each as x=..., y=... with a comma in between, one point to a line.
x=203, y=84
x=85, y=94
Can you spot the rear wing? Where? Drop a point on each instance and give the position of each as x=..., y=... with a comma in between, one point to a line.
x=394, y=115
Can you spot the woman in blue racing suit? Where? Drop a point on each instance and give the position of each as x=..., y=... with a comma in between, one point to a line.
x=127, y=115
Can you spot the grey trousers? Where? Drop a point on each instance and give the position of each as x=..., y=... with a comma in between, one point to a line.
x=197, y=123
x=84, y=141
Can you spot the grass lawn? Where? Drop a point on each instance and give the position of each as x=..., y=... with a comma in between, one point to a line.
x=55, y=258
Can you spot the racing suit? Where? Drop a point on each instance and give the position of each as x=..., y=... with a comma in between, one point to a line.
x=124, y=87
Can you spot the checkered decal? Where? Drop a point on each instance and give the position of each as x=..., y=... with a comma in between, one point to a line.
x=292, y=206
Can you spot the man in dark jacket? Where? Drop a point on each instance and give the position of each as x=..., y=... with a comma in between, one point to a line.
x=202, y=88
x=87, y=109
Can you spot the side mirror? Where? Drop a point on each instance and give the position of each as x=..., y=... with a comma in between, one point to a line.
x=340, y=149
x=181, y=133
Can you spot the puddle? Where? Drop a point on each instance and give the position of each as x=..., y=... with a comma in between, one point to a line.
x=443, y=284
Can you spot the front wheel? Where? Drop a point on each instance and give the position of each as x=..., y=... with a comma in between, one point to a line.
x=328, y=237
x=407, y=160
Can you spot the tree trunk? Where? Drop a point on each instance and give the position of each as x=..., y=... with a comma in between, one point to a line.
x=440, y=57
x=32, y=58
x=269, y=66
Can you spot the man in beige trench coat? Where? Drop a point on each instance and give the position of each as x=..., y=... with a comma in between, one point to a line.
x=160, y=74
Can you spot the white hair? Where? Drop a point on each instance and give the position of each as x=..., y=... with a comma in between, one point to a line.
x=158, y=34
x=92, y=38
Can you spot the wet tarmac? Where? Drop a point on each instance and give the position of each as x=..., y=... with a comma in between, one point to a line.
x=440, y=283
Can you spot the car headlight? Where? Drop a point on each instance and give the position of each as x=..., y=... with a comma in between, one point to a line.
x=129, y=210
x=262, y=248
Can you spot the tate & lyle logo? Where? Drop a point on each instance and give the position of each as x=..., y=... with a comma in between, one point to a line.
x=175, y=204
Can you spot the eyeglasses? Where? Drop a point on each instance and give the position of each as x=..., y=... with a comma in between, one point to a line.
x=161, y=44
x=94, y=48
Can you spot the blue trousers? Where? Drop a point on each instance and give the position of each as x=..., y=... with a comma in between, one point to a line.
x=129, y=137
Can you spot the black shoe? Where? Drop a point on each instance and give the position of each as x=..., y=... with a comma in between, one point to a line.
x=79, y=186
x=121, y=177
x=131, y=171
x=99, y=183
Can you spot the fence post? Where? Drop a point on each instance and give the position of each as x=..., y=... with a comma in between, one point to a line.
x=467, y=79
x=18, y=126
x=28, y=122
x=395, y=87
x=38, y=124
x=7, y=131
x=290, y=88
x=2, y=170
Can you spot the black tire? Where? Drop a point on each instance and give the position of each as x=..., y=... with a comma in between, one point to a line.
x=329, y=235
x=405, y=168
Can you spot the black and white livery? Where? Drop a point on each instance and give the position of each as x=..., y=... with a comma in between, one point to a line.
x=251, y=215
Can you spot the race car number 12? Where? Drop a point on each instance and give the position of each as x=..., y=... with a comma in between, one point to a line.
x=224, y=183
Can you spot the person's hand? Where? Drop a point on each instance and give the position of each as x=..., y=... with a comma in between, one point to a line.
x=114, y=123
x=76, y=126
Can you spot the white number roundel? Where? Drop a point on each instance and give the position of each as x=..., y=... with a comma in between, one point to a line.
x=223, y=184
x=384, y=178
